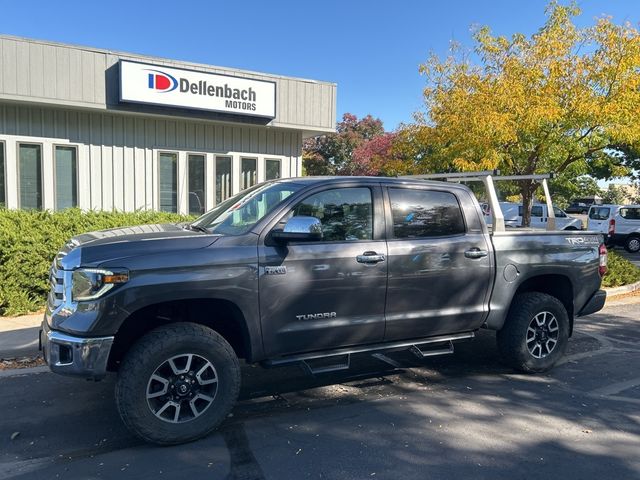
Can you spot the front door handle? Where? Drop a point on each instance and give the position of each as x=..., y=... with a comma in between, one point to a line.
x=475, y=253
x=370, y=257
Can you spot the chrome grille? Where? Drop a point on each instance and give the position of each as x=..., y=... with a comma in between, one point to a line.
x=56, y=284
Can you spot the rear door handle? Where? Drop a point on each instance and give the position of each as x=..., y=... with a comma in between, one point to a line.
x=370, y=257
x=475, y=253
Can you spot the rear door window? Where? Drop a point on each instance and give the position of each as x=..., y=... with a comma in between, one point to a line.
x=599, y=213
x=630, y=213
x=425, y=213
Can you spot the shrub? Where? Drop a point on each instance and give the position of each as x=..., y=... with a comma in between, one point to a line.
x=620, y=271
x=29, y=240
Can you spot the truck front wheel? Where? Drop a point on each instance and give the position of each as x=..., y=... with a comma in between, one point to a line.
x=535, y=333
x=177, y=384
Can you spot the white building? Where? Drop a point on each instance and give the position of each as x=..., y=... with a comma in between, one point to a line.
x=107, y=130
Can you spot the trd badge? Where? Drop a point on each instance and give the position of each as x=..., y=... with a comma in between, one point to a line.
x=279, y=270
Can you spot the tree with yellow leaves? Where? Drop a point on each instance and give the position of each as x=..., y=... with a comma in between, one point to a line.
x=564, y=100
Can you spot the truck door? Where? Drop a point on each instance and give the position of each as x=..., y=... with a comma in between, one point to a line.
x=328, y=293
x=440, y=266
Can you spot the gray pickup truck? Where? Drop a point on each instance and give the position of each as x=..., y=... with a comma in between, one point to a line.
x=310, y=271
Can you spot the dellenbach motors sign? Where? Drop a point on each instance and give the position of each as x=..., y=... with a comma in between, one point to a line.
x=159, y=85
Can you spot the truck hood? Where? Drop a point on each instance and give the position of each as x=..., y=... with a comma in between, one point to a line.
x=94, y=248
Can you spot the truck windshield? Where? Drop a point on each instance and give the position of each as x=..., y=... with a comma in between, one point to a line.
x=238, y=214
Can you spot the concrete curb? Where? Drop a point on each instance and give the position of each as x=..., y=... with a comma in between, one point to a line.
x=612, y=292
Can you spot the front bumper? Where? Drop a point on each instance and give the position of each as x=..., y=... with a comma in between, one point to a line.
x=69, y=355
x=595, y=303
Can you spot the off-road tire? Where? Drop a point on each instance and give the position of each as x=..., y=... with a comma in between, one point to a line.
x=512, y=339
x=152, y=350
x=632, y=244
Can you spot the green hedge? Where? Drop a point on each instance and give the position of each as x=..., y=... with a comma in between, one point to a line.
x=30, y=239
x=620, y=271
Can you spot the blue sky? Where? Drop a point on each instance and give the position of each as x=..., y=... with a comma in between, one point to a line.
x=371, y=49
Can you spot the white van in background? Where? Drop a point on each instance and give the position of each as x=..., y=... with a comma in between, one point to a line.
x=626, y=228
x=513, y=217
x=600, y=219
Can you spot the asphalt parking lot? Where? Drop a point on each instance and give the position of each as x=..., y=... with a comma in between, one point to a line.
x=632, y=257
x=460, y=416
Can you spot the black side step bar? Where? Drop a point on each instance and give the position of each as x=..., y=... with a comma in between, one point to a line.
x=418, y=346
x=444, y=349
x=317, y=368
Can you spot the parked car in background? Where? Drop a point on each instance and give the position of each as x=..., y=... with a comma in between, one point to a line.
x=539, y=217
x=582, y=205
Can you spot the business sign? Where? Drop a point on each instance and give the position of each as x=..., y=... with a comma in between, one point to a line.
x=175, y=87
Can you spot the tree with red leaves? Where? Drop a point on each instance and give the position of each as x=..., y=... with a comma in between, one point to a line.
x=333, y=154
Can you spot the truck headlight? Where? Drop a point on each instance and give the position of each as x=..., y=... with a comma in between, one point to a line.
x=91, y=283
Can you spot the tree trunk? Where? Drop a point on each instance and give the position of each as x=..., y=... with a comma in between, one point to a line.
x=527, y=189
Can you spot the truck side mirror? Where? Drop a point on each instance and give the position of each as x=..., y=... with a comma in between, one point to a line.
x=299, y=229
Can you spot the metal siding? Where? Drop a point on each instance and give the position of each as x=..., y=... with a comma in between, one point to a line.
x=63, y=67
x=74, y=75
x=200, y=142
x=118, y=162
x=95, y=155
x=88, y=84
x=22, y=68
x=227, y=139
x=129, y=165
x=139, y=161
x=8, y=70
x=36, y=70
x=106, y=152
x=10, y=113
x=99, y=79
x=149, y=142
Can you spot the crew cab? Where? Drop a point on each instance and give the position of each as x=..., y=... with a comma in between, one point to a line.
x=306, y=270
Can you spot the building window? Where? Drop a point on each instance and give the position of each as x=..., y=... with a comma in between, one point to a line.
x=223, y=179
x=30, y=167
x=168, y=178
x=3, y=187
x=272, y=169
x=66, y=177
x=196, y=184
x=249, y=172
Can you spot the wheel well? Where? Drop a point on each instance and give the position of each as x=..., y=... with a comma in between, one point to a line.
x=557, y=286
x=220, y=315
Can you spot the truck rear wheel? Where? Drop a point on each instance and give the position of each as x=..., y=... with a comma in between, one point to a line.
x=177, y=384
x=535, y=334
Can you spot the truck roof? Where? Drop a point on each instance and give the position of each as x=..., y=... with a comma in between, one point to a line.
x=393, y=180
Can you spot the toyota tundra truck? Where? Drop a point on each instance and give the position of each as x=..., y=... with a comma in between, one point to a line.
x=309, y=271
